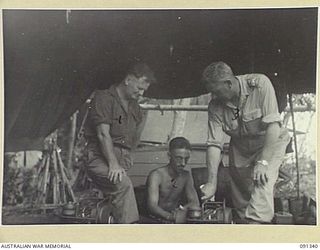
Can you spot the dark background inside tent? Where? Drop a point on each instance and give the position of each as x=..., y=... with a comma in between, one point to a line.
x=54, y=59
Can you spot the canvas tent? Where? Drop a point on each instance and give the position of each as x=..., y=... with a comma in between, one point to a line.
x=54, y=59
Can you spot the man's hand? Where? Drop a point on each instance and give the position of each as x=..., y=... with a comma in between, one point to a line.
x=115, y=173
x=208, y=190
x=115, y=170
x=260, y=176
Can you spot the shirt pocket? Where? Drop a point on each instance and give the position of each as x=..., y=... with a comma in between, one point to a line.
x=119, y=122
x=251, y=122
x=231, y=127
x=230, y=122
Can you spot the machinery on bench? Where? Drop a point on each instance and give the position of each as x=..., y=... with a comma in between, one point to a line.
x=211, y=212
x=90, y=210
x=97, y=210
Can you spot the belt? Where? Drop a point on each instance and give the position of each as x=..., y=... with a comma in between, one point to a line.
x=120, y=145
x=115, y=144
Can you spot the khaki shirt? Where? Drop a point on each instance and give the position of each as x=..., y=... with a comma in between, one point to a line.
x=247, y=123
x=106, y=107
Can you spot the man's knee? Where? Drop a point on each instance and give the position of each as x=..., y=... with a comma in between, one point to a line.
x=125, y=184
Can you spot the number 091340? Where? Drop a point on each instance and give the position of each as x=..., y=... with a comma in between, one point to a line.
x=310, y=246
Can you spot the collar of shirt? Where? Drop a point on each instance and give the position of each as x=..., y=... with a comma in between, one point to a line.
x=244, y=93
x=113, y=91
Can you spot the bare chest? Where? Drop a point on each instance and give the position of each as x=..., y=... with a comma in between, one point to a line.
x=172, y=187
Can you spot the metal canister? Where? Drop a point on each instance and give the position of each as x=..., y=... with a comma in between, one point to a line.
x=69, y=209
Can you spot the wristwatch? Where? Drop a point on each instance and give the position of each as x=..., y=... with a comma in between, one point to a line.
x=263, y=163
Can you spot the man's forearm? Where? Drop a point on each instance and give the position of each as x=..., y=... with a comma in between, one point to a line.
x=213, y=161
x=192, y=204
x=107, y=148
x=272, y=135
x=158, y=211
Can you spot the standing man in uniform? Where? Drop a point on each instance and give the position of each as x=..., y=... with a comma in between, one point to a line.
x=245, y=107
x=114, y=129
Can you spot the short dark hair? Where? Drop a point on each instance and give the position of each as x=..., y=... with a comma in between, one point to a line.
x=216, y=71
x=142, y=69
x=179, y=142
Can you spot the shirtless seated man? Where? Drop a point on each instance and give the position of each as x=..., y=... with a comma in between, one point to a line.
x=168, y=185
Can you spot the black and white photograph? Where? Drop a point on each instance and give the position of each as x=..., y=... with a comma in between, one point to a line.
x=160, y=116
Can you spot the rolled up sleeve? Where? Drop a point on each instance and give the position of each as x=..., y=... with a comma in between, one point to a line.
x=269, y=104
x=101, y=108
x=215, y=133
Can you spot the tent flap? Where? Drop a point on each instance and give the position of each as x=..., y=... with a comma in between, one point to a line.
x=54, y=59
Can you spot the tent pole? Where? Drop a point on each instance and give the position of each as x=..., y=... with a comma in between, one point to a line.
x=203, y=108
x=295, y=145
x=71, y=139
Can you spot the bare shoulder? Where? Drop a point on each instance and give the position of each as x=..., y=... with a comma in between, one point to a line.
x=186, y=174
x=157, y=173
